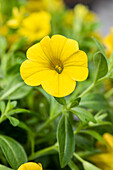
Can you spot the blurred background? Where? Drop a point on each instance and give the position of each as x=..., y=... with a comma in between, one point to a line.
x=103, y=8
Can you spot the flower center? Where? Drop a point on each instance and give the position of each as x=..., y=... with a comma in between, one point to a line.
x=59, y=68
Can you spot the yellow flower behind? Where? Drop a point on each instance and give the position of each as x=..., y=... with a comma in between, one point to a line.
x=48, y=5
x=17, y=16
x=108, y=42
x=36, y=26
x=104, y=160
x=30, y=166
x=56, y=64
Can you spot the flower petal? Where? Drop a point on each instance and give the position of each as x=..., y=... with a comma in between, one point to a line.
x=30, y=166
x=58, y=85
x=77, y=73
x=70, y=47
x=32, y=72
x=57, y=45
x=77, y=59
x=35, y=53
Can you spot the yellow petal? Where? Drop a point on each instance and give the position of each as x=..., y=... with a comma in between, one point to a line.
x=58, y=85
x=33, y=72
x=77, y=59
x=30, y=166
x=57, y=44
x=70, y=47
x=45, y=45
x=77, y=73
x=109, y=140
x=35, y=53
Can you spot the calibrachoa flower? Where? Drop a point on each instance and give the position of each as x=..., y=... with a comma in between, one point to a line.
x=56, y=64
x=104, y=160
x=36, y=26
x=30, y=166
x=108, y=42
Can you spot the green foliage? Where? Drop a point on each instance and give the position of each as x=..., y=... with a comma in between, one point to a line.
x=13, y=151
x=95, y=101
x=15, y=89
x=83, y=114
x=101, y=66
x=89, y=166
x=65, y=138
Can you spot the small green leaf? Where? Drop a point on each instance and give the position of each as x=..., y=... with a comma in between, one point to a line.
x=83, y=114
x=2, y=106
x=66, y=142
x=13, y=151
x=95, y=101
x=89, y=166
x=15, y=89
x=60, y=100
x=94, y=134
x=2, y=167
x=101, y=66
x=100, y=46
x=72, y=166
x=13, y=120
x=75, y=102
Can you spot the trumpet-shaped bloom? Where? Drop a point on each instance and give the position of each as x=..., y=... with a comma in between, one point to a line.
x=104, y=160
x=36, y=26
x=56, y=64
x=30, y=166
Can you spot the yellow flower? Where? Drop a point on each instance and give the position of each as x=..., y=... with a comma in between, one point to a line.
x=16, y=20
x=36, y=26
x=48, y=5
x=30, y=166
x=83, y=13
x=108, y=42
x=56, y=64
x=104, y=160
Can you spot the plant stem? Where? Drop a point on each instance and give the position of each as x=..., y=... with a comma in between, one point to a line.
x=48, y=122
x=109, y=93
x=43, y=152
x=87, y=90
x=78, y=157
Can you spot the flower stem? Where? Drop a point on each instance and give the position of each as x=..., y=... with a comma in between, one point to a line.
x=78, y=157
x=87, y=90
x=43, y=152
x=48, y=122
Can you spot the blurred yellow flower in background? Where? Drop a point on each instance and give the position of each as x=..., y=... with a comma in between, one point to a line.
x=108, y=42
x=36, y=26
x=48, y=5
x=17, y=16
x=30, y=166
x=104, y=160
x=56, y=64
x=83, y=13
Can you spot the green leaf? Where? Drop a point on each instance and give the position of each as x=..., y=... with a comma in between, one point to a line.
x=2, y=106
x=89, y=166
x=66, y=142
x=2, y=167
x=60, y=100
x=13, y=151
x=100, y=46
x=111, y=62
x=101, y=66
x=13, y=120
x=72, y=166
x=95, y=135
x=15, y=89
x=95, y=101
x=83, y=114
x=75, y=102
